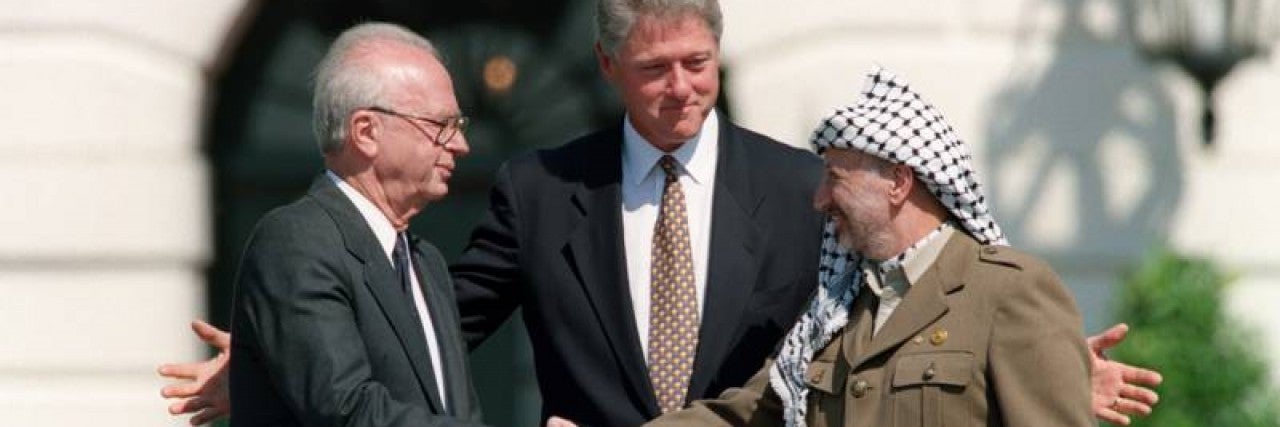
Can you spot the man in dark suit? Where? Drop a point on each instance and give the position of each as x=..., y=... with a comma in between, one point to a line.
x=570, y=237
x=341, y=317
x=570, y=234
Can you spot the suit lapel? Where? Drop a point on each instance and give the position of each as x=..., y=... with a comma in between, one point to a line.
x=432, y=277
x=926, y=301
x=596, y=254
x=380, y=278
x=732, y=264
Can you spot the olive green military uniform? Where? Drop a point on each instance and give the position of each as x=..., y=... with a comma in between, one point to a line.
x=987, y=336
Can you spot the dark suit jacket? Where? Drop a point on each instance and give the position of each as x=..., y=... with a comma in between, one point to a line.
x=987, y=337
x=552, y=244
x=325, y=334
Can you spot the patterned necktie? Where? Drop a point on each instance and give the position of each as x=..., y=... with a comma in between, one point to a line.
x=673, y=305
x=400, y=257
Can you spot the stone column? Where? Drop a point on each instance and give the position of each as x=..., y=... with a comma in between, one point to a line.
x=105, y=232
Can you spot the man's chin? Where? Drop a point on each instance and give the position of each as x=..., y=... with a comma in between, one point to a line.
x=437, y=193
x=685, y=123
x=686, y=131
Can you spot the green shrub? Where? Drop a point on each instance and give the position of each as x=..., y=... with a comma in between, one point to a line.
x=1213, y=372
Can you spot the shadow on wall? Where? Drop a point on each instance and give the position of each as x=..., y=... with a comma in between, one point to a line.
x=1093, y=121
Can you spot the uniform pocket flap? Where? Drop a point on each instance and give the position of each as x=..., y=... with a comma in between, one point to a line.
x=943, y=368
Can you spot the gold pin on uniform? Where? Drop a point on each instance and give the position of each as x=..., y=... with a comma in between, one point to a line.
x=939, y=336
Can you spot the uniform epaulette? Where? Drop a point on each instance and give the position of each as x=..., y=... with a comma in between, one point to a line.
x=1003, y=255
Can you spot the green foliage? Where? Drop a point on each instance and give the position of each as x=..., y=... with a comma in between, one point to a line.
x=1213, y=372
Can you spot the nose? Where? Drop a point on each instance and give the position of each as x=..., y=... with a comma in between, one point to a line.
x=458, y=145
x=678, y=82
x=822, y=197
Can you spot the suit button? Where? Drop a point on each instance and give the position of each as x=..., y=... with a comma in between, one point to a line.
x=860, y=388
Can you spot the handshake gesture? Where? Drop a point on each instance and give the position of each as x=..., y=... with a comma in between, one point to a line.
x=1119, y=390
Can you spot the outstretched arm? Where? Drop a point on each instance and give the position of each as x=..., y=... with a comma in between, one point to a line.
x=487, y=276
x=1119, y=390
x=204, y=387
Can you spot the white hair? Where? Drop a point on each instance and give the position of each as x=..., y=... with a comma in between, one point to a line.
x=344, y=83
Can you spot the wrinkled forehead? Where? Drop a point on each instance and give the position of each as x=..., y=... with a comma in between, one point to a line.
x=422, y=83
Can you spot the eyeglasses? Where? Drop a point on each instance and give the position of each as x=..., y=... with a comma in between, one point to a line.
x=449, y=126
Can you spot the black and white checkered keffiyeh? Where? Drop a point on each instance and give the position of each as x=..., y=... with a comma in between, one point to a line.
x=893, y=123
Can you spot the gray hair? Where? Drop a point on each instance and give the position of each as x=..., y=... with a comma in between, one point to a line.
x=614, y=18
x=345, y=83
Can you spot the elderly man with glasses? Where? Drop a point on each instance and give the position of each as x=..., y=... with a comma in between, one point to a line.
x=341, y=316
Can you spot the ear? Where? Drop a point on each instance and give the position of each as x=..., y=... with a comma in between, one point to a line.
x=904, y=181
x=608, y=66
x=363, y=128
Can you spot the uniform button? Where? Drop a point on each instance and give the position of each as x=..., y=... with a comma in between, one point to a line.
x=930, y=371
x=860, y=388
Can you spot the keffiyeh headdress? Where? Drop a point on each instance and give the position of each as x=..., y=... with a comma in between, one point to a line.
x=893, y=123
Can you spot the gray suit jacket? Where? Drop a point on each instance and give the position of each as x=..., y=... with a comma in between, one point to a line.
x=324, y=333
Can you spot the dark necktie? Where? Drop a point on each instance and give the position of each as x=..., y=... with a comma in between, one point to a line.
x=400, y=257
x=673, y=305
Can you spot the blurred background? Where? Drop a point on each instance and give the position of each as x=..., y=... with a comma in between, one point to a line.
x=144, y=138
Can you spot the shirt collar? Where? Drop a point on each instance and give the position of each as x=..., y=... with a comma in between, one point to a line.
x=915, y=262
x=381, y=226
x=916, y=259
x=697, y=156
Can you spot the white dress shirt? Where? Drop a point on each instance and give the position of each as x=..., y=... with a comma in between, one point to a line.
x=386, y=234
x=642, y=184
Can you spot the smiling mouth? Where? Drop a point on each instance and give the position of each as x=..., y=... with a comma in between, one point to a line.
x=682, y=108
x=445, y=173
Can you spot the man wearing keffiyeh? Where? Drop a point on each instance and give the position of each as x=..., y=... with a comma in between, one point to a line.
x=923, y=315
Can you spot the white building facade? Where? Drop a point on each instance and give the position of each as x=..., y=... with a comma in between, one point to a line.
x=107, y=226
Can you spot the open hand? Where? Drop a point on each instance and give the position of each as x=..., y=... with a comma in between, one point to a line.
x=1119, y=390
x=204, y=390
